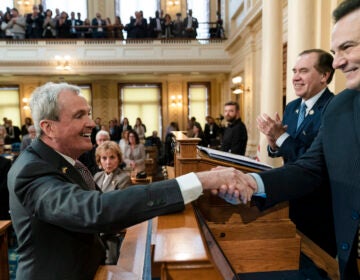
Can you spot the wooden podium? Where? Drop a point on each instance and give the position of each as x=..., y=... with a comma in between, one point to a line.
x=253, y=241
x=212, y=239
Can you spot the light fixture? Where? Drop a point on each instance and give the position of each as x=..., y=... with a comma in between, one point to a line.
x=176, y=100
x=173, y=3
x=26, y=106
x=238, y=87
x=63, y=62
x=26, y=3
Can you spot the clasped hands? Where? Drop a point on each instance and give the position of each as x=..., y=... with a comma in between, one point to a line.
x=229, y=183
x=271, y=128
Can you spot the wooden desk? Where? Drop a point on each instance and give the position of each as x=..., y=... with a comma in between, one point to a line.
x=179, y=251
x=131, y=262
x=4, y=258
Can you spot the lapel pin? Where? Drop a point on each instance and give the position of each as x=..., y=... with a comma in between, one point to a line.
x=297, y=111
x=64, y=170
x=311, y=112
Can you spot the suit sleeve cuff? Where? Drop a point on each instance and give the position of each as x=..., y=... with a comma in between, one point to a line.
x=190, y=187
x=260, y=185
x=282, y=139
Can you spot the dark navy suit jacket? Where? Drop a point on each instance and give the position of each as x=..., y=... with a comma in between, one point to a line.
x=334, y=156
x=310, y=210
x=301, y=139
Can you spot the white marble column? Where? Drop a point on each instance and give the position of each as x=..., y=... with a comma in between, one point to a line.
x=302, y=33
x=271, y=73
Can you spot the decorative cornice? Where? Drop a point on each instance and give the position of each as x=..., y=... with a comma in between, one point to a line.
x=113, y=56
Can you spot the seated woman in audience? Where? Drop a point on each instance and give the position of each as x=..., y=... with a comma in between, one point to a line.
x=134, y=155
x=88, y=158
x=108, y=157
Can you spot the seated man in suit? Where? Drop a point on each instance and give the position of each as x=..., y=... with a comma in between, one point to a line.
x=293, y=136
x=56, y=208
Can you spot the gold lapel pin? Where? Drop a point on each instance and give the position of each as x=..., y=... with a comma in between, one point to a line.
x=64, y=170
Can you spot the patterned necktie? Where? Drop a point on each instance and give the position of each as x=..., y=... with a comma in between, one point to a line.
x=301, y=116
x=85, y=174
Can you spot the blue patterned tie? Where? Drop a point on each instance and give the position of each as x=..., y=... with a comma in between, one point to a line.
x=302, y=112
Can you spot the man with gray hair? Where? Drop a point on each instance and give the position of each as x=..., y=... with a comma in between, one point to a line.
x=58, y=213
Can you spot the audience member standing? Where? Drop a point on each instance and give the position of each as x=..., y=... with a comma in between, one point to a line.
x=34, y=24
x=49, y=25
x=168, y=27
x=198, y=133
x=118, y=28
x=190, y=25
x=125, y=125
x=25, y=126
x=235, y=135
x=17, y=24
x=99, y=26
x=13, y=131
x=63, y=26
x=178, y=29
x=212, y=132
x=140, y=129
x=156, y=26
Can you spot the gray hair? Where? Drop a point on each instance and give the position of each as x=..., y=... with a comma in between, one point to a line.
x=102, y=133
x=44, y=102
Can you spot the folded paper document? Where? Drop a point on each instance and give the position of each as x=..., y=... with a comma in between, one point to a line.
x=235, y=158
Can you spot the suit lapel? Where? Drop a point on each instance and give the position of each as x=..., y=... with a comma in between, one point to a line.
x=58, y=162
x=315, y=111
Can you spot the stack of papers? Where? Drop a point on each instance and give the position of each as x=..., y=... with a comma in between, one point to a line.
x=242, y=160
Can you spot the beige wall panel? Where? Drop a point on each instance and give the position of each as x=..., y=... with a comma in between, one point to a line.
x=105, y=100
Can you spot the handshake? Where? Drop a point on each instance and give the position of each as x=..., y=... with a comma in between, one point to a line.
x=228, y=183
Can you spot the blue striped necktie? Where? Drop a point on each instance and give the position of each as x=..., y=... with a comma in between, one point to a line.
x=301, y=116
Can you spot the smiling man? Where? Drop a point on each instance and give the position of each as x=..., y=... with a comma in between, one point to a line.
x=293, y=136
x=334, y=155
x=56, y=212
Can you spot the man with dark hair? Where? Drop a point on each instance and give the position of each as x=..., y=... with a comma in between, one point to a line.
x=291, y=137
x=235, y=135
x=335, y=152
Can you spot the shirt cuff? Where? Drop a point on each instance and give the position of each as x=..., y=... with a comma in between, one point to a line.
x=190, y=187
x=282, y=138
x=260, y=184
